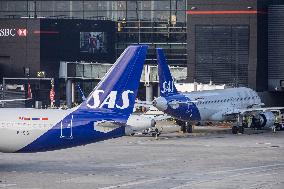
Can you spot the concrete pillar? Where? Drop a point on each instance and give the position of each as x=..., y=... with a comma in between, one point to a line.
x=71, y=8
x=195, y=86
x=149, y=92
x=73, y=92
x=159, y=90
x=69, y=93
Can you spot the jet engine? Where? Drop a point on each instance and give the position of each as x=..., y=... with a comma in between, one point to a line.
x=263, y=120
x=137, y=123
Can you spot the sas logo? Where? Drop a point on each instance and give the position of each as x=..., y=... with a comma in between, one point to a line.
x=110, y=100
x=168, y=86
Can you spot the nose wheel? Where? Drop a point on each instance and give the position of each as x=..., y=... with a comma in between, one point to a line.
x=185, y=127
x=238, y=129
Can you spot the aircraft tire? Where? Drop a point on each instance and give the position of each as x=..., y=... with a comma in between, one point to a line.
x=188, y=128
x=183, y=128
x=235, y=130
x=241, y=129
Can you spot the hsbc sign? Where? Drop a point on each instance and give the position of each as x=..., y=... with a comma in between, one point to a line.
x=6, y=32
x=22, y=32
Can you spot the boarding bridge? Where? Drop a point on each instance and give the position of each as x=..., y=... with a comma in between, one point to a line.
x=96, y=71
x=71, y=71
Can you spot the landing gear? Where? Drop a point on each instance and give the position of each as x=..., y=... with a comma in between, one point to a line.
x=241, y=129
x=235, y=130
x=185, y=127
x=188, y=127
x=239, y=126
x=238, y=129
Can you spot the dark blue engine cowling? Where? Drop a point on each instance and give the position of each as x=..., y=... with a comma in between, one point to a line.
x=265, y=119
x=181, y=107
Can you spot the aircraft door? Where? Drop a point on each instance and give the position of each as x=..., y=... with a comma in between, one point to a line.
x=233, y=101
x=66, y=128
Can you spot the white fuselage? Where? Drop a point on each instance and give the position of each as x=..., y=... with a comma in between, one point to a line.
x=224, y=101
x=21, y=126
x=208, y=105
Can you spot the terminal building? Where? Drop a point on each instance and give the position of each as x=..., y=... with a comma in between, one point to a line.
x=239, y=43
x=232, y=42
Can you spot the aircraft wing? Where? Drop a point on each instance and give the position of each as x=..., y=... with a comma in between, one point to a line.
x=105, y=126
x=266, y=109
x=146, y=104
x=249, y=110
x=157, y=117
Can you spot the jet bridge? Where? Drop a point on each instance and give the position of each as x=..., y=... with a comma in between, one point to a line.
x=71, y=71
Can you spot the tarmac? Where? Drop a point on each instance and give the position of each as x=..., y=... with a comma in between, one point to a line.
x=208, y=158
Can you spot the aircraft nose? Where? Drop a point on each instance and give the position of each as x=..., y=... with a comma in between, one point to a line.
x=160, y=103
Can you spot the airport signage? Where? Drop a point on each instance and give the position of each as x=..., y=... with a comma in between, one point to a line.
x=8, y=32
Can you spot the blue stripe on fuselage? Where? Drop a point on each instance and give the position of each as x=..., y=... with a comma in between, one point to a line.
x=186, y=109
x=82, y=132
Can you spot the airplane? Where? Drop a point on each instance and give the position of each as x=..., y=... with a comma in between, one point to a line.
x=211, y=105
x=102, y=116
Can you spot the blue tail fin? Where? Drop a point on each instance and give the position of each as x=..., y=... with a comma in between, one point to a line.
x=116, y=92
x=167, y=86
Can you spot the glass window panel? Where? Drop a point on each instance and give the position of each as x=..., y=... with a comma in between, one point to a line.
x=13, y=14
x=103, y=5
x=120, y=15
x=46, y=5
x=146, y=15
x=162, y=5
x=90, y=14
x=76, y=14
x=120, y=5
x=90, y=5
x=102, y=14
x=62, y=6
x=174, y=5
x=146, y=5
x=131, y=5
x=181, y=16
x=76, y=5
x=13, y=6
x=132, y=15
x=181, y=4
x=161, y=15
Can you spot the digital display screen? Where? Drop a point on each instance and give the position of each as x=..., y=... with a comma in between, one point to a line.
x=93, y=42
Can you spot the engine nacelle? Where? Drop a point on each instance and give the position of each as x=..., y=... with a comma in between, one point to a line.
x=137, y=123
x=264, y=120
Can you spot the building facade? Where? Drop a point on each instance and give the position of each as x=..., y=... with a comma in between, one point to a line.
x=228, y=42
x=232, y=42
x=159, y=23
